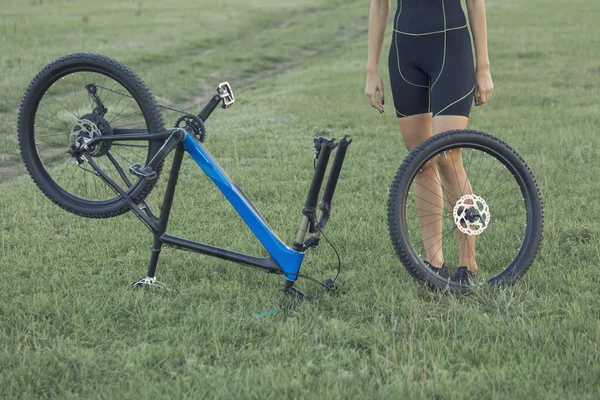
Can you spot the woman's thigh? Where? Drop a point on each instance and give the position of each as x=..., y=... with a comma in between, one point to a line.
x=415, y=129
x=452, y=87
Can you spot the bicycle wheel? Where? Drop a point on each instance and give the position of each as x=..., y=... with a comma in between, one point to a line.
x=466, y=198
x=86, y=95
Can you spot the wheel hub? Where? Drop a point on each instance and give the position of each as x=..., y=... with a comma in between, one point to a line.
x=88, y=127
x=471, y=214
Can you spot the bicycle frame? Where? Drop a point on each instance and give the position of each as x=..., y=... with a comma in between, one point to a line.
x=288, y=259
x=283, y=259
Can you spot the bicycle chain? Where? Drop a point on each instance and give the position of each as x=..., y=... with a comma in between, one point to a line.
x=131, y=97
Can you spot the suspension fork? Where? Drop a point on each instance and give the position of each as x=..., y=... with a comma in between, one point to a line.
x=323, y=148
x=309, y=221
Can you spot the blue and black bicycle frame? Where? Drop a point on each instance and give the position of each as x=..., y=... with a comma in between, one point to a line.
x=283, y=259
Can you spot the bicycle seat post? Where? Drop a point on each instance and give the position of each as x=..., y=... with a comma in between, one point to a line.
x=165, y=212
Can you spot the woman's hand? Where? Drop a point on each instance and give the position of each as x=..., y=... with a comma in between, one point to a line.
x=374, y=85
x=483, y=86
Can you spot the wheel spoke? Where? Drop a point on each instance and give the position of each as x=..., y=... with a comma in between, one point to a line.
x=129, y=145
x=70, y=98
x=54, y=98
x=48, y=119
x=59, y=159
x=130, y=124
x=467, y=172
x=55, y=134
x=122, y=118
x=120, y=112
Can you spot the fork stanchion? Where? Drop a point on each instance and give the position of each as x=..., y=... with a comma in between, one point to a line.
x=325, y=204
x=336, y=168
x=323, y=148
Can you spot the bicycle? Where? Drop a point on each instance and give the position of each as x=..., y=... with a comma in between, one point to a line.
x=75, y=130
x=110, y=118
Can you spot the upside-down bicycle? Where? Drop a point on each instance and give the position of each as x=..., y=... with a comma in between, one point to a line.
x=93, y=139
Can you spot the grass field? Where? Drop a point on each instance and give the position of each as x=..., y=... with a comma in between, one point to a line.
x=70, y=327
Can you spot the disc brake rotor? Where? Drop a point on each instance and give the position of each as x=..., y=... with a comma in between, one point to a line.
x=88, y=127
x=471, y=214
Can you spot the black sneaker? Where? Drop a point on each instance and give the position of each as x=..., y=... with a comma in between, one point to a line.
x=463, y=275
x=442, y=271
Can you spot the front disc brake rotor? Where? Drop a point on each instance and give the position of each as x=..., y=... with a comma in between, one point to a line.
x=471, y=214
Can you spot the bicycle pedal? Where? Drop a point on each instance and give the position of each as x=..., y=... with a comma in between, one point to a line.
x=226, y=93
x=142, y=172
x=149, y=282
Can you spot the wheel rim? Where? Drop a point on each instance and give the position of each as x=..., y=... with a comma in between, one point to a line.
x=65, y=104
x=501, y=230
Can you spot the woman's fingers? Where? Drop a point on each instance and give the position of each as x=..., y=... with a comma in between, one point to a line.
x=374, y=86
x=483, y=87
x=374, y=103
x=482, y=96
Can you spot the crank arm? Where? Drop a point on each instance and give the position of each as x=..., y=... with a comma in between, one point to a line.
x=149, y=171
x=225, y=94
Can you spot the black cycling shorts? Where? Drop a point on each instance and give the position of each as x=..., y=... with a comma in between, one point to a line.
x=431, y=61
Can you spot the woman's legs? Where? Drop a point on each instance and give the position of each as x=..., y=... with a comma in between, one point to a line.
x=428, y=192
x=456, y=184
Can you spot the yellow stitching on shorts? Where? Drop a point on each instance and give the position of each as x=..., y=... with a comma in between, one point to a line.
x=445, y=37
x=429, y=93
x=453, y=103
x=399, y=12
x=431, y=33
x=398, y=112
x=398, y=53
x=400, y=70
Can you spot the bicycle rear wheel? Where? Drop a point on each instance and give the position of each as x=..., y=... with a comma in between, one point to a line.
x=467, y=198
x=86, y=95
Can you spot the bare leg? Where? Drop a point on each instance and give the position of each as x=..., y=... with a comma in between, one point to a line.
x=456, y=184
x=428, y=192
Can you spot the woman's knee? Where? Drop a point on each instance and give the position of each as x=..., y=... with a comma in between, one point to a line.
x=449, y=162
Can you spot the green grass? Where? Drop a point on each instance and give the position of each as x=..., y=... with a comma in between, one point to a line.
x=71, y=328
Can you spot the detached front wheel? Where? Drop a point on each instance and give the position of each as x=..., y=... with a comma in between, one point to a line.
x=469, y=199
